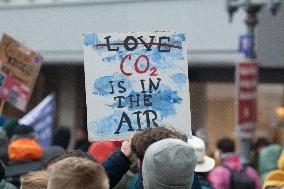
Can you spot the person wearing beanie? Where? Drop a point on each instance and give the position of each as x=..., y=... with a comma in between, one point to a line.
x=23, y=145
x=169, y=164
x=34, y=180
x=77, y=173
x=3, y=183
x=119, y=162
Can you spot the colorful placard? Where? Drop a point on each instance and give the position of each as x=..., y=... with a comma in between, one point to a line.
x=246, y=94
x=135, y=81
x=22, y=66
x=14, y=92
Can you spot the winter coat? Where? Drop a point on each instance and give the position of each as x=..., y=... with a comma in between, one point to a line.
x=205, y=184
x=116, y=166
x=275, y=178
x=220, y=176
x=268, y=159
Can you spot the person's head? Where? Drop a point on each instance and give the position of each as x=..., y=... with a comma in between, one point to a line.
x=204, y=163
x=260, y=143
x=143, y=139
x=34, y=180
x=226, y=145
x=23, y=131
x=169, y=163
x=61, y=137
x=77, y=173
x=76, y=153
x=80, y=134
x=2, y=171
x=10, y=127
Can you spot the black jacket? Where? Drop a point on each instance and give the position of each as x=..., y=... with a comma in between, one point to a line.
x=116, y=166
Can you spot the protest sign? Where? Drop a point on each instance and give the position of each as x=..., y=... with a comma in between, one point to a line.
x=14, y=92
x=22, y=66
x=41, y=118
x=246, y=94
x=135, y=81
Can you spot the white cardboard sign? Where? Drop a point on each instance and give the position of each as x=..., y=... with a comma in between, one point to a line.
x=135, y=81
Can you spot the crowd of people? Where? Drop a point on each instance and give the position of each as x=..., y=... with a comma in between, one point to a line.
x=153, y=158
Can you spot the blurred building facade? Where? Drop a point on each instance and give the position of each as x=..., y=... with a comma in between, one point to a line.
x=55, y=27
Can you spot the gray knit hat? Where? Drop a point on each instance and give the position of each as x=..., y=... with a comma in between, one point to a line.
x=169, y=164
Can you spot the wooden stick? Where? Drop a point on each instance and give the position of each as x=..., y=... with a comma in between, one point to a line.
x=2, y=106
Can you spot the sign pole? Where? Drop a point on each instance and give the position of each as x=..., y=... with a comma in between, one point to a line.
x=251, y=22
x=2, y=106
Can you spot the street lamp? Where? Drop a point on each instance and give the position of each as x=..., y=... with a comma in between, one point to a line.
x=252, y=8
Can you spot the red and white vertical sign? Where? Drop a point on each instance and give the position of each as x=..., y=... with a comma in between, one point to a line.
x=246, y=98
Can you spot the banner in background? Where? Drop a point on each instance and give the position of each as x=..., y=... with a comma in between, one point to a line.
x=135, y=81
x=22, y=66
x=41, y=118
x=246, y=94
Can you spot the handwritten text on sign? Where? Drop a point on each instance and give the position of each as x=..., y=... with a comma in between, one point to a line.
x=135, y=81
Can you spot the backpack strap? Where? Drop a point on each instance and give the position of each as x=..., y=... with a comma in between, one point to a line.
x=231, y=174
x=228, y=168
x=244, y=168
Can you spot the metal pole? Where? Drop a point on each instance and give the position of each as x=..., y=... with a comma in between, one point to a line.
x=252, y=8
x=251, y=21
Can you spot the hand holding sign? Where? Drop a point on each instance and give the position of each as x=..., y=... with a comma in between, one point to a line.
x=126, y=148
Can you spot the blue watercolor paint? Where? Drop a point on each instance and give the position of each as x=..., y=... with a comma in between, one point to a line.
x=90, y=39
x=109, y=124
x=117, y=57
x=126, y=103
x=102, y=87
x=178, y=37
x=179, y=78
x=165, y=101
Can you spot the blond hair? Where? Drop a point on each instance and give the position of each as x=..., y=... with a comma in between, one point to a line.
x=34, y=180
x=77, y=173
